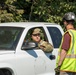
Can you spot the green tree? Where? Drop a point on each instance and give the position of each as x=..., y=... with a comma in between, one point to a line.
x=9, y=12
x=35, y=10
x=51, y=10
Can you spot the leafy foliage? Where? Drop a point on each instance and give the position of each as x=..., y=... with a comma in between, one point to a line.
x=35, y=10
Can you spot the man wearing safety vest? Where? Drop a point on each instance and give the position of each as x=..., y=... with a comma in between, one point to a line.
x=66, y=60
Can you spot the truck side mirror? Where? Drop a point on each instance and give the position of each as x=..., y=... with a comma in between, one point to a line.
x=52, y=57
x=28, y=45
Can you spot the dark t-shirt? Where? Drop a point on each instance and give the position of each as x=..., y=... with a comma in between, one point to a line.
x=66, y=41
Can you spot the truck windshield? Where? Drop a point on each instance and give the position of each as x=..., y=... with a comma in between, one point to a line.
x=9, y=37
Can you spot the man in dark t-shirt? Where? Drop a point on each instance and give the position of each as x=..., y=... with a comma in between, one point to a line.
x=66, y=59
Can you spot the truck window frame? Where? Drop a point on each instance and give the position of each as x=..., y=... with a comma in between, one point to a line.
x=28, y=35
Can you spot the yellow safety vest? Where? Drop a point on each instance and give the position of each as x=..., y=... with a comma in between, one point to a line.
x=69, y=63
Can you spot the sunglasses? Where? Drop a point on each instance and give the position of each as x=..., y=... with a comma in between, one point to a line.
x=36, y=34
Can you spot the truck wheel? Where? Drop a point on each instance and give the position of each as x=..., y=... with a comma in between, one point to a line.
x=5, y=72
x=1, y=72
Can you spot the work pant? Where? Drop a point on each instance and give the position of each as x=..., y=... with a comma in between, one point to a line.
x=67, y=73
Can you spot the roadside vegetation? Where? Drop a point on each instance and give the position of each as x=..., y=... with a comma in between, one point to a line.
x=35, y=10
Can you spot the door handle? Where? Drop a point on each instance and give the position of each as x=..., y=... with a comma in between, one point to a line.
x=52, y=57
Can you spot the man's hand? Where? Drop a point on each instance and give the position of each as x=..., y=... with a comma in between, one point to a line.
x=57, y=70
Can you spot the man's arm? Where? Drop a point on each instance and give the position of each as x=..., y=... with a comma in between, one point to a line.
x=45, y=46
x=65, y=47
x=62, y=57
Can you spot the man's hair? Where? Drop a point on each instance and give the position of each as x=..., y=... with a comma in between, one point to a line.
x=70, y=21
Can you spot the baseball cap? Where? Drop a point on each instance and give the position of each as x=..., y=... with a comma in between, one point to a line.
x=36, y=31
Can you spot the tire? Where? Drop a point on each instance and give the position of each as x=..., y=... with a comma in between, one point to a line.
x=1, y=72
x=5, y=72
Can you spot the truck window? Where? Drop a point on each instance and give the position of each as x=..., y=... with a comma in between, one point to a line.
x=9, y=37
x=55, y=35
x=28, y=38
x=43, y=36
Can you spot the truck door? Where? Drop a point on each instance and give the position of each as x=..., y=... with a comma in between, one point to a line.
x=55, y=35
x=44, y=63
x=35, y=54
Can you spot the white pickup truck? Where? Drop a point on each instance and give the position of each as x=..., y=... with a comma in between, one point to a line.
x=17, y=59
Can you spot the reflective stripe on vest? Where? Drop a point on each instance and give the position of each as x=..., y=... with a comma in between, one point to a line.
x=70, y=56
